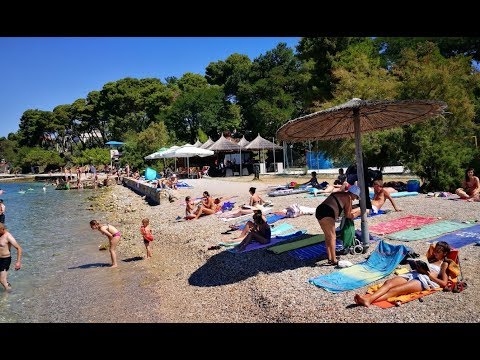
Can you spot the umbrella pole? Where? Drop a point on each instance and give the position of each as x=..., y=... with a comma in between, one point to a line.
x=361, y=177
x=274, y=163
x=240, y=162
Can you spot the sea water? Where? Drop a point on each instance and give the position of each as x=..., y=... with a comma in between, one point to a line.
x=64, y=277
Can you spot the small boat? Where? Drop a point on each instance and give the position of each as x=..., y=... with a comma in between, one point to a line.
x=22, y=192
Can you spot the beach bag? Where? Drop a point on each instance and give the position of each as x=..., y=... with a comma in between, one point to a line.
x=293, y=211
x=348, y=233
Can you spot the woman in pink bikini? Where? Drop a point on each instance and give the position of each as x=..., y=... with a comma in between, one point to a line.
x=113, y=235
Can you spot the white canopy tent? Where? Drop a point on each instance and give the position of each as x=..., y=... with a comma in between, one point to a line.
x=186, y=151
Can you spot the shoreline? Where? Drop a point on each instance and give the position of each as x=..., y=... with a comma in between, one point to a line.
x=197, y=285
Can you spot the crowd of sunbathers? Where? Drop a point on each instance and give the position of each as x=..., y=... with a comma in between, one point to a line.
x=207, y=205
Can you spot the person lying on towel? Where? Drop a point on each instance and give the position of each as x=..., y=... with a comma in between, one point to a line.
x=255, y=201
x=415, y=280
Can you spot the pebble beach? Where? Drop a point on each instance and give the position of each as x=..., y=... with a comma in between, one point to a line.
x=193, y=284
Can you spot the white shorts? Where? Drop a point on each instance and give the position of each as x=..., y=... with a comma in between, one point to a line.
x=374, y=210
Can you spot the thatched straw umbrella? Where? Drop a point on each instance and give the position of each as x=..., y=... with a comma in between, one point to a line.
x=350, y=119
x=207, y=144
x=223, y=144
x=243, y=142
x=259, y=143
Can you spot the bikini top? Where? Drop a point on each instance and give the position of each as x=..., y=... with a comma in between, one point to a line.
x=340, y=208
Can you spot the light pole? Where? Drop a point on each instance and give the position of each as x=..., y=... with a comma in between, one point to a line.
x=273, y=149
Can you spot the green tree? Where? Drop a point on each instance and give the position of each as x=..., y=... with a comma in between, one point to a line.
x=319, y=54
x=274, y=91
x=40, y=157
x=229, y=73
x=34, y=126
x=190, y=81
x=391, y=48
x=94, y=156
x=357, y=73
x=8, y=150
x=203, y=108
x=131, y=104
x=441, y=149
x=139, y=145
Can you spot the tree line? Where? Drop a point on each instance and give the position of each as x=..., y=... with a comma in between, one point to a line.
x=245, y=97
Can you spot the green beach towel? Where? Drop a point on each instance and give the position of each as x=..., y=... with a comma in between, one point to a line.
x=427, y=231
x=278, y=249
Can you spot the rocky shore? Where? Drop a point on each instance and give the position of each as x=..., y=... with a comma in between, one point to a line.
x=197, y=285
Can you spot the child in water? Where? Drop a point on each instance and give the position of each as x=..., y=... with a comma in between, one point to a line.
x=147, y=236
x=113, y=236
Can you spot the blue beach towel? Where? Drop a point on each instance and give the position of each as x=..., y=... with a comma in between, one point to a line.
x=314, y=251
x=288, y=235
x=183, y=184
x=277, y=230
x=256, y=245
x=461, y=238
x=381, y=263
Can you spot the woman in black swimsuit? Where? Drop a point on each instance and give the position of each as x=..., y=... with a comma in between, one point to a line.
x=329, y=210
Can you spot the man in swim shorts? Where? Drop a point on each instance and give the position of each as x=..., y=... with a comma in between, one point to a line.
x=6, y=242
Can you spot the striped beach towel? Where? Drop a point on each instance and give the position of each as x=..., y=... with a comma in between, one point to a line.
x=381, y=263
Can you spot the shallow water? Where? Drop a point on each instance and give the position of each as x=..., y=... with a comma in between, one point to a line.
x=64, y=277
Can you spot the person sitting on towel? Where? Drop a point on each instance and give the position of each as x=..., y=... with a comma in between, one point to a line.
x=415, y=280
x=248, y=227
x=261, y=232
x=314, y=182
x=208, y=206
x=470, y=186
x=380, y=196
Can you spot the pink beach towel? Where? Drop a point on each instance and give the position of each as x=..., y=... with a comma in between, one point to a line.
x=407, y=222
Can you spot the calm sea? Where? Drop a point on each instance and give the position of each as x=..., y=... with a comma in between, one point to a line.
x=64, y=277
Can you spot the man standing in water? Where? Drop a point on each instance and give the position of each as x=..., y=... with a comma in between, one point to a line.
x=6, y=242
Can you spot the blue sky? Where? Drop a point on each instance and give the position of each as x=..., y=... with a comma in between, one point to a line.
x=41, y=73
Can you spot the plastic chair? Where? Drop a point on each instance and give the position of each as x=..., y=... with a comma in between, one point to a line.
x=454, y=270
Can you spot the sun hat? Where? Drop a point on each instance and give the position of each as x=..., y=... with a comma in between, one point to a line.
x=354, y=189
